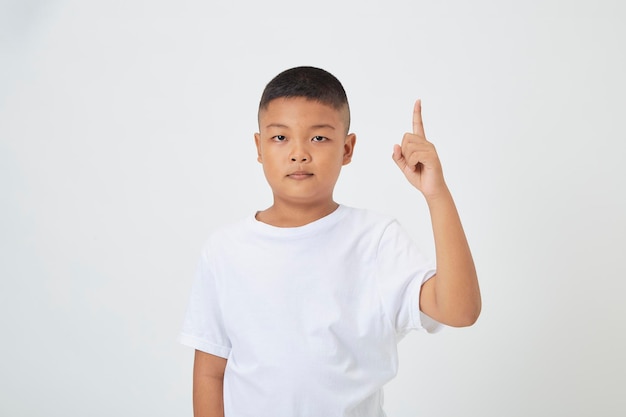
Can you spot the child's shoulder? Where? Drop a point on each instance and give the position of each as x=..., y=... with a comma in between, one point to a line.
x=362, y=223
x=226, y=232
x=363, y=217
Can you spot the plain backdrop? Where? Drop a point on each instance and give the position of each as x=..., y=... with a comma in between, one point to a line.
x=126, y=137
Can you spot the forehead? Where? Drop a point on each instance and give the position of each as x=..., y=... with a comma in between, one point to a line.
x=300, y=111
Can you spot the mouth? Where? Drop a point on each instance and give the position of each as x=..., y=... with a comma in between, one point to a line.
x=300, y=175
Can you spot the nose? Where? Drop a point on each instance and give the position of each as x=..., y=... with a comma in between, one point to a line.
x=299, y=153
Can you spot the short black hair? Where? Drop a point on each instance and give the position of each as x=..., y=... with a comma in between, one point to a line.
x=308, y=82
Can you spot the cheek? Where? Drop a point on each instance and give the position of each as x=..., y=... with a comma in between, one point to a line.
x=333, y=164
x=271, y=162
x=270, y=173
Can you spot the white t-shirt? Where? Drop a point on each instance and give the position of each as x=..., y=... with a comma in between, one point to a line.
x=308, y=317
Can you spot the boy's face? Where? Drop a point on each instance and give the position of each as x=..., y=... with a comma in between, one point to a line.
x=302, y=145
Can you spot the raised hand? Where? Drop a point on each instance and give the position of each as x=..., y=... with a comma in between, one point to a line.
x=452, y=295
x=418, y=159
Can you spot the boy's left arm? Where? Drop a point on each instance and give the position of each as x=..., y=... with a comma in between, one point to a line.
x=452, y=296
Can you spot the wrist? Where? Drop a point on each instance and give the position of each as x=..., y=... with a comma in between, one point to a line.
x=441, y=195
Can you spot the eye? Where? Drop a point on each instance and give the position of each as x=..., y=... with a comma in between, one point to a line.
x=279, y=138
x=319, y=138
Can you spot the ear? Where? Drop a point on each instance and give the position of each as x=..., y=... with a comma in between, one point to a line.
x=348, y=148
x=257, y=142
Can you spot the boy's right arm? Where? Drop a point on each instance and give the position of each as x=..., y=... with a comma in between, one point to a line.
x=208, y=385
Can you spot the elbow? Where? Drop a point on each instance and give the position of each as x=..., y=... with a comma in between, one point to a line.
x=467, y=320
x=466, y=317
x=454, y=308
x=466, y=313
x=470, y=317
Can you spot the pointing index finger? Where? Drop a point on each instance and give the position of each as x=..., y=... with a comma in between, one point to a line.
x=418, y=126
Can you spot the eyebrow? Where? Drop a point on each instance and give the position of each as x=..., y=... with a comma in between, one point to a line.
x=281, y=126
x=323, y=126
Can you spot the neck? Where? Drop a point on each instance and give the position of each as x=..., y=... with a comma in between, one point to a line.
x=282, y=214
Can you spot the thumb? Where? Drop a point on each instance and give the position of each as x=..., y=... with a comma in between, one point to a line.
x=400, y=160
x=397, y=156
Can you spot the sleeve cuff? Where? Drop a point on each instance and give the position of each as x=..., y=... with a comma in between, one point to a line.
x=204, y=346
x=422, y=321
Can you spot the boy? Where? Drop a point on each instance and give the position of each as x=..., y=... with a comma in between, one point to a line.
x=297, y=310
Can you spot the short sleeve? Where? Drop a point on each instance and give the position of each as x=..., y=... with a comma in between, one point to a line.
x=401, y=270
x=203, y=327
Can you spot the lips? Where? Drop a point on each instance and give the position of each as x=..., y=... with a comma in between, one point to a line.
x=300, y=175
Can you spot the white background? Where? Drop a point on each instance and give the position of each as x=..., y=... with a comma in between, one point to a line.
x=126, y=137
